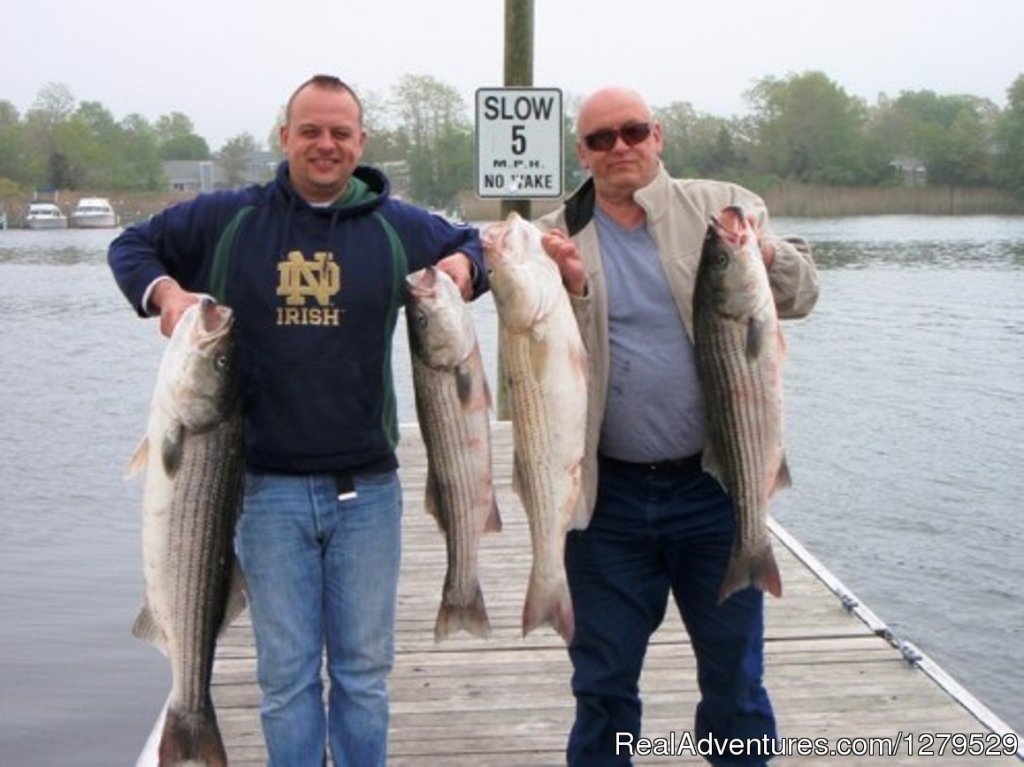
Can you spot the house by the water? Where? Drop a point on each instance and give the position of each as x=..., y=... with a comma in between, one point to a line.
x=196, y=176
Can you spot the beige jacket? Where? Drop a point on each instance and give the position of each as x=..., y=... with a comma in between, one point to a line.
x=678, y=212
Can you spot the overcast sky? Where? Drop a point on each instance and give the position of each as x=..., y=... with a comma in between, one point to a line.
x=230, y=64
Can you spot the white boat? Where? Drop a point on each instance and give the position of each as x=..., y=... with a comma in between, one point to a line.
x=45, y=215
x=93, y=213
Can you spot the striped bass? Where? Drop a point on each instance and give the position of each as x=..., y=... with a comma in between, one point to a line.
x=545, y=367
x=192, y=456
x=740, y=351
x=453, y=407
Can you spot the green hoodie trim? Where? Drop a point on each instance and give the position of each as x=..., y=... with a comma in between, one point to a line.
x=399, y=268
x=222, y=255
x=358, y=191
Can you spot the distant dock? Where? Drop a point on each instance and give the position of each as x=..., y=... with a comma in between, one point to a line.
x=833, y=670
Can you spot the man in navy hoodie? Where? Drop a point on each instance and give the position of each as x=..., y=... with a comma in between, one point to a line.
x=313, y=265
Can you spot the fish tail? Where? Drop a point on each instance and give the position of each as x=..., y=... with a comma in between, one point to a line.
x=493, y=522
x=757, y=568
x=192, y=738
x=782, y=477
x=471, y=617
x=548, y=605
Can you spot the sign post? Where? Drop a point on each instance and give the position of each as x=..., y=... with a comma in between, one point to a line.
x=519, y=143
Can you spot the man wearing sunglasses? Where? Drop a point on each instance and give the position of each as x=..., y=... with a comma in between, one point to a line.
x=627, y=243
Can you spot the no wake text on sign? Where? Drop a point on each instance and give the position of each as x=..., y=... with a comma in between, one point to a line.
x=519, y=142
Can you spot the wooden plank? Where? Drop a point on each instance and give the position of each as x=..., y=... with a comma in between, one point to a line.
x=506, y=700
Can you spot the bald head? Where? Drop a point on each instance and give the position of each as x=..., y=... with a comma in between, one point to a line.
x=612, y=99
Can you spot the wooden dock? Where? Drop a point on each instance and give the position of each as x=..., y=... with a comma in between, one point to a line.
x=832, y=670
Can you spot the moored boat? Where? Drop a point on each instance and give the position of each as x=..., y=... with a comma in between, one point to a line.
x=45, y=215
x=93, y=213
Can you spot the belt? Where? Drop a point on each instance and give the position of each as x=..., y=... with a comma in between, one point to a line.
x=690, y=464
x=345, y=483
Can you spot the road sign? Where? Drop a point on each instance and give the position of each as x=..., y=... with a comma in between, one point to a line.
x=519, y=142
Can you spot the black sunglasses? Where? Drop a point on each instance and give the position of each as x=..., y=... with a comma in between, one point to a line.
x=603, y=140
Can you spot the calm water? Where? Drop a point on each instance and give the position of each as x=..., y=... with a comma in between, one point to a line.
x=904, y=402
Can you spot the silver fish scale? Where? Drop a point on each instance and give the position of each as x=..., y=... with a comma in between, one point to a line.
x=203, y=510
x=743, y=426
x=452, y=478
x=532, y=436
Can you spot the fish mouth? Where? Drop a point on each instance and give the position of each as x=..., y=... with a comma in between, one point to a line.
x=491, y=237
x=495, y=236
x=730, y=224
x=214, y=321
x=422, y=283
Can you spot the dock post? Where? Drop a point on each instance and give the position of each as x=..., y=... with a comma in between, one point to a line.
x=518, y=72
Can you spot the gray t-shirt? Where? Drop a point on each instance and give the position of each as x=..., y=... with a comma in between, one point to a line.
x=655, y=409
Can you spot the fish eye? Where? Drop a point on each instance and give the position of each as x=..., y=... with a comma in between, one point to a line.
x=721, y=260
x=220, y=361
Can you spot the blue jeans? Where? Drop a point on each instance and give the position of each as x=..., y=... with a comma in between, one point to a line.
x=322, y=571
x=652, y=534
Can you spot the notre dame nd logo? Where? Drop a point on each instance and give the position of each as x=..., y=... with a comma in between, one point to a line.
x=307, y=287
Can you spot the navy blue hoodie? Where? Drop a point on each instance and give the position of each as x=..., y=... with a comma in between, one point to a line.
x=316, y=292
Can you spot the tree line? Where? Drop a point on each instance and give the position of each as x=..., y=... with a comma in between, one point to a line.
x=803, y=127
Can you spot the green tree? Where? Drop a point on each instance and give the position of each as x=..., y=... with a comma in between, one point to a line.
x=438, y=134
x=274, y=134
x=47, y=164
x=173, y=125
x=9, y=190
x=677, y=121
x=91, y=139
x=141, y=166
x=385, y=143
x=13, y=146
x=810, y=130
x=951, y=135
x=185, y=148
x=178, y=140
x=54, y=103
x=58, y=171
x=455, y=172
x=572, y=172
x=967, y=157
x=698, y=145
x=11, y=197
x=234, y=157
x=1009, y=134
x=94, y=151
